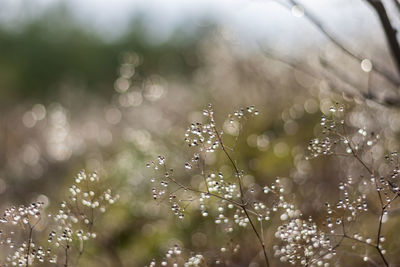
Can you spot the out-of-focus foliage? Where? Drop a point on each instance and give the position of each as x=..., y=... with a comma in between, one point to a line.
x=50, y=50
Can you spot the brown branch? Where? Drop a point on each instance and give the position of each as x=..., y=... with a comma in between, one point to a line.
x=359, y=57
x=388, y=101
x=335, y=73
x=390, y=32
x=397, y=4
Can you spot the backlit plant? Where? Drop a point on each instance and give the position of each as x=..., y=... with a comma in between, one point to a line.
x=299, y=239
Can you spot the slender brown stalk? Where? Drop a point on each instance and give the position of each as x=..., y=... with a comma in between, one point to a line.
x=244, y=202
x=66, y=255
x=383, y=206
x=28, y=249
x=90, y=226
x=260, y=239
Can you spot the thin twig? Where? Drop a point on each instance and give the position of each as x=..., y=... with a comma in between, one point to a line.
x=320, y=26
x=390, y=32
x=66, y=255
x=383, y=206
x=243, y=206
x=28, y=250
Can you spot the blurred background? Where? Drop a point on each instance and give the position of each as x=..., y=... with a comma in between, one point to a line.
x=108, y=85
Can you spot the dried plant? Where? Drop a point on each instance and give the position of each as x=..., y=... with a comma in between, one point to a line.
x=299, y=239
x=24, y=220
x=233, y=204
x=373, y=192
x=68, y=230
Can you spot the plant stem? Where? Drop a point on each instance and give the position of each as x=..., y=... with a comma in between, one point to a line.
x=66, y=255
x=29, y=245
x=243, y=206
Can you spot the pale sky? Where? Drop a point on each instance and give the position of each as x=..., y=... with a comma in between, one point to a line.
x=248, y=19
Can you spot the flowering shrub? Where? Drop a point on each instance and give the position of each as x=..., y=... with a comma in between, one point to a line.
x=359, y=217
x=226, y=198
x=23, y=229
x=299, y=239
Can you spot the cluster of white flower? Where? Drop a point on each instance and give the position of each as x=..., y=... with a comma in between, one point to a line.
x=303, y=243
x=22, y=215
x=196, y=260
x=78, y=213
x=331, y=127
x=205, y=135
x=222, y=197
x=319, y=147
x=75, y=218
x=175, y=258
x=17, y=222
x=20, y=257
